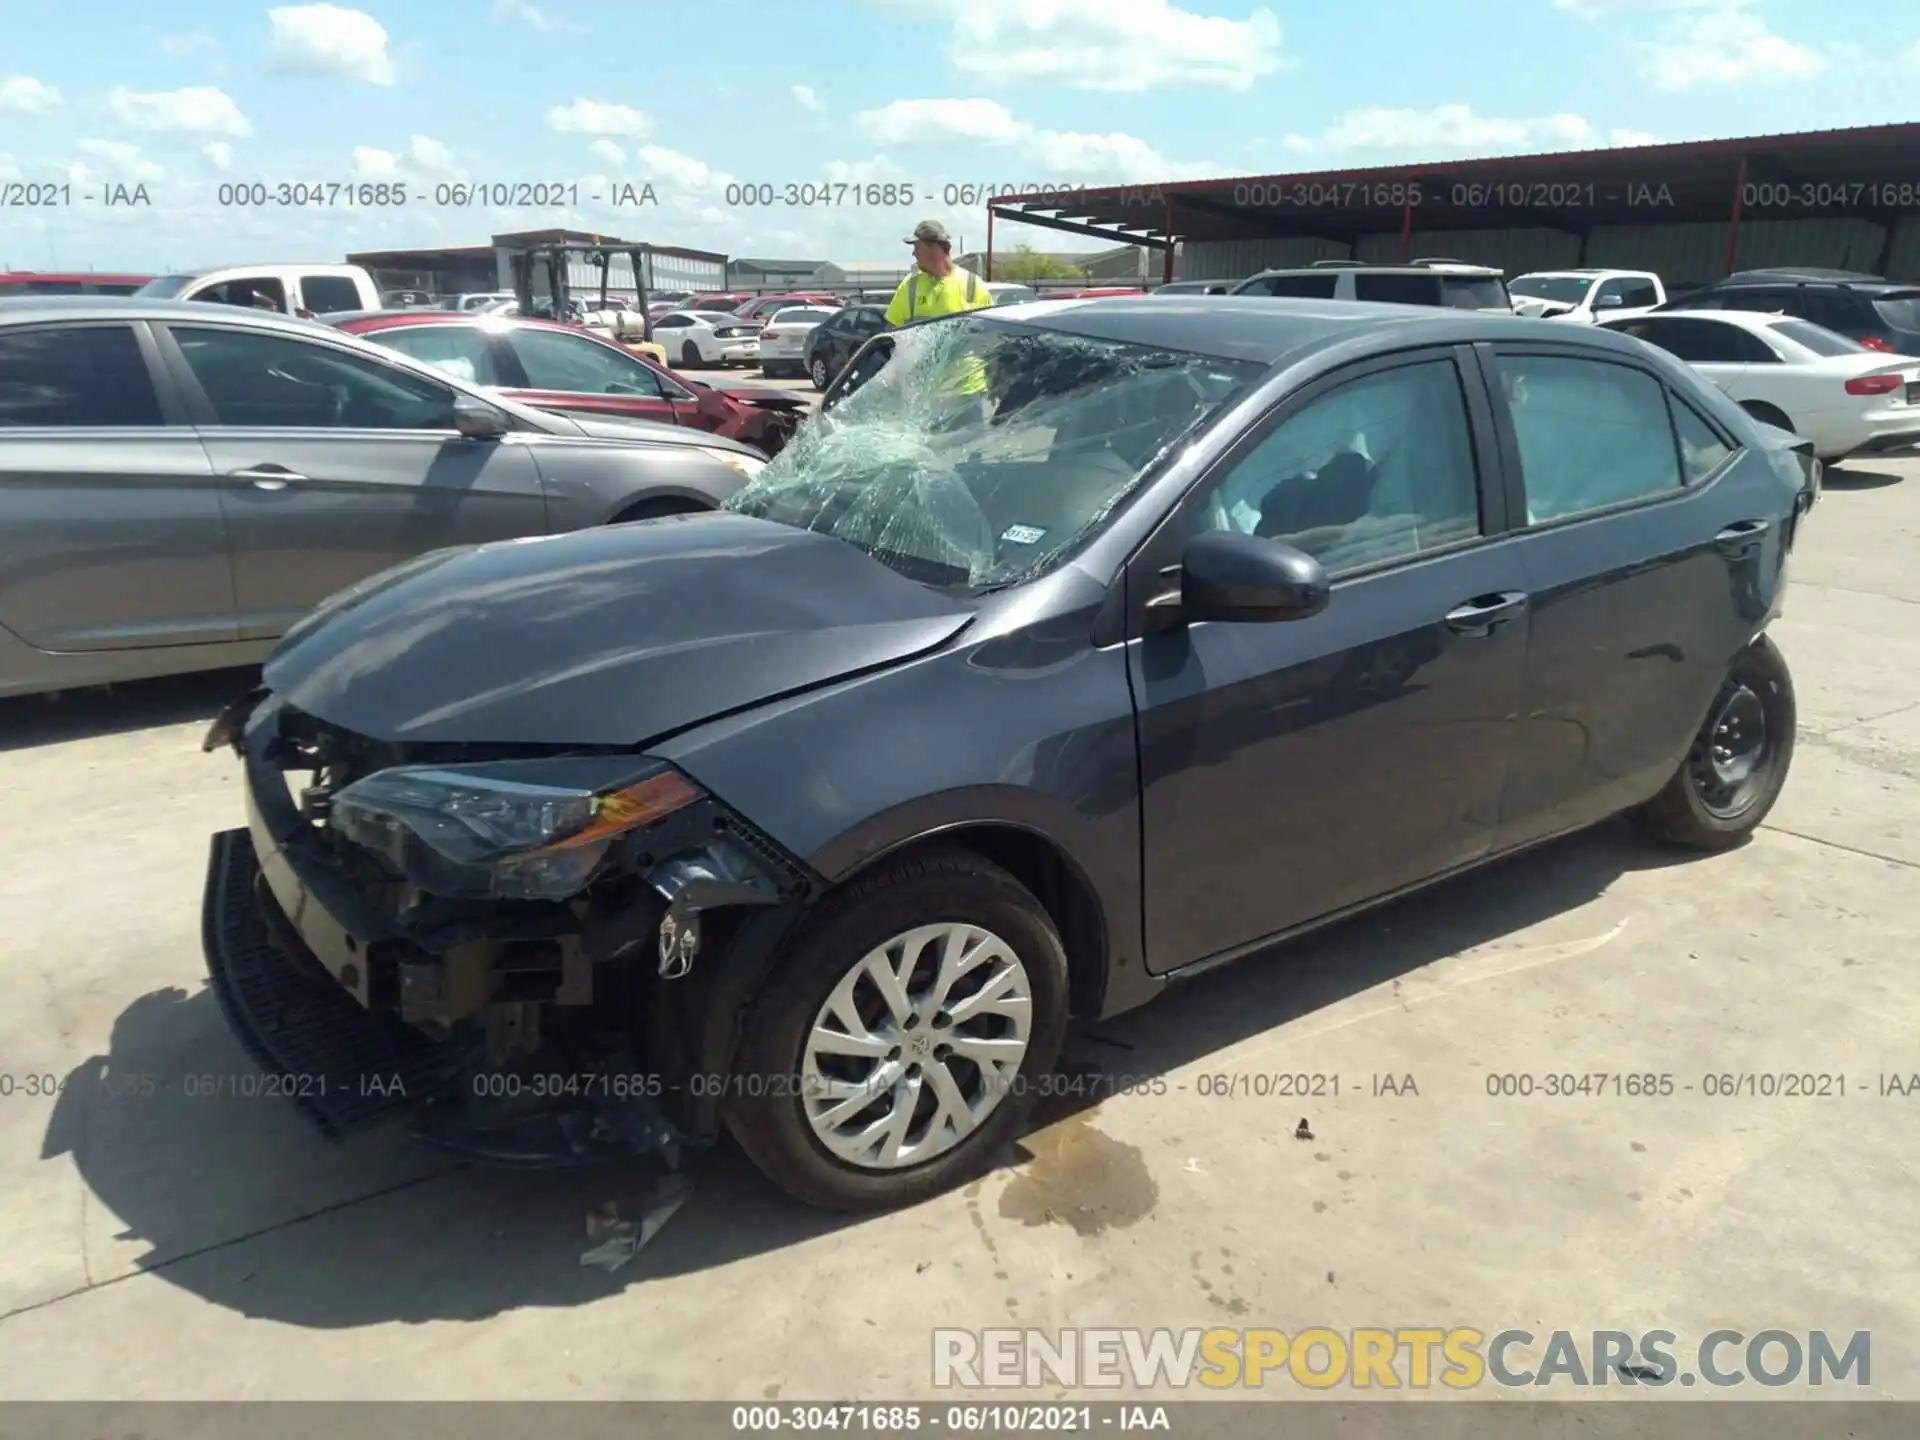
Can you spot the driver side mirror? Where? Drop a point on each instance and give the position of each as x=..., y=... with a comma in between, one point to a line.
x=1609, y=302
x=477, y=420
x=1225, y=575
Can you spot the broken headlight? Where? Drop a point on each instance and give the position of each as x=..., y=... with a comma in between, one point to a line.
x=507, y=830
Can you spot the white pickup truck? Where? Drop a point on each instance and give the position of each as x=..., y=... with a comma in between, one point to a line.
x=1585, y=297
x=291, y=289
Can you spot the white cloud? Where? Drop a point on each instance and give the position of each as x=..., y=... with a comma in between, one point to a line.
x=1698, y=43
x=807, y=99
x=187, y=44
x=1442, y=132
x=424, y=157
x=331, y=40
x=535, y=18
x=1117, y=45
x=609, y=152
x=24, y=95
x=598, y=117
x=372, y=164
x=682, y=172
x=1064, y=155
x=1627, y=139
x=219, y=154
x=1724, y=44
x=860, y=172
x=935, y=122
x=199, y=110
x=8, y=170
x=116, y=160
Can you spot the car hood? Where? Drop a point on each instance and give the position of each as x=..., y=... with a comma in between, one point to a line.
x=612, y=636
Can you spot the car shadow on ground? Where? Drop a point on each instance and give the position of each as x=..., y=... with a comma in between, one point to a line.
x=231, y=1198
x=31, y=720
x=1841, y=476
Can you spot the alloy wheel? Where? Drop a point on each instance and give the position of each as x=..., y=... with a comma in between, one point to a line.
x=917, y=1045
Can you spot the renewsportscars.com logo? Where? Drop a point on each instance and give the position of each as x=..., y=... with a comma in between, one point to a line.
x=1417, y=1358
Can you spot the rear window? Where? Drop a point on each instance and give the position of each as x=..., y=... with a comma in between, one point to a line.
x=322, y=293
x=1900, y=311
x=1398, y=288
x=1817, y=338
x=1474, y=292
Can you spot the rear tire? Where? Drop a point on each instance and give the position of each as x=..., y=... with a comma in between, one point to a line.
x=780, y=1110
x=690, y=357
x=1736, y=765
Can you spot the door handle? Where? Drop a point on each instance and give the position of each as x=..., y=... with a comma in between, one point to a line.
x=266, y=477
x=1737, y=539
x=1484, y=614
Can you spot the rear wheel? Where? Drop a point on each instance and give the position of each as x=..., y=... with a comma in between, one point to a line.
x=655, y=509
x=690, y=357
x=891, y=1058
x=1738, y=762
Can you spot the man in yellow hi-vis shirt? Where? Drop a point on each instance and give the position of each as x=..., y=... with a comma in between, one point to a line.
x=937, y=286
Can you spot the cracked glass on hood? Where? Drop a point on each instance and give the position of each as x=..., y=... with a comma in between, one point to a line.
x=983, y=451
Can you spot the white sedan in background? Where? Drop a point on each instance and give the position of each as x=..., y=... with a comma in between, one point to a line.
x=1848, y=400
x=707, y=337
x=783, y=341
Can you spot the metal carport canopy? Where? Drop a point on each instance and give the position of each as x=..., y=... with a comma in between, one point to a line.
x=1870, y=172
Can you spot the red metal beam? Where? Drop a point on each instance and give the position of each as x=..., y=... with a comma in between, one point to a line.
x=1733, y=226
x=989, y=274
x=1166, y=259
x=1406, y=234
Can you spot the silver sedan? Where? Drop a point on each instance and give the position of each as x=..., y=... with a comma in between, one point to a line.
x=180, y=481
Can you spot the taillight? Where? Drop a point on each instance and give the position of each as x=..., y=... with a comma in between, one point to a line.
x=1874, y=342
x=1874, y=384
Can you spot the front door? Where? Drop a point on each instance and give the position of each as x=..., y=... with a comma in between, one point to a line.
x=1638, y=609
x=1293, y=769
x=335, y=466
x=111, y=532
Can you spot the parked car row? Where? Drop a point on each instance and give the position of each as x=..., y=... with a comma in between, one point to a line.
x=844, y=801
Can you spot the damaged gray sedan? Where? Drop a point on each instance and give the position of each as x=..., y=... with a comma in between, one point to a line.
x=1074, y=649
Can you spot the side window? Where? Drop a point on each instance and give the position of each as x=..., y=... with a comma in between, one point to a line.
x=1591, y=433
x=1635, y=294
x=262, y=293
x=1835, y=309
x=460, y=350
x=554, y=361
x=1380, y=468
x=1702, y=451
x=328, y=294
x=1698, y=342
x=1766, y=299
x=1756, y=349
x=1304, y=287
x=1396, y=289
x=91, y=375
x=251, y=378
x=869, y=322
x=1612, y=295
x=672, y=322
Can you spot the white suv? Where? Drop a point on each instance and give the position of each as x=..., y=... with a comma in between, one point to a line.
x=1450, y=284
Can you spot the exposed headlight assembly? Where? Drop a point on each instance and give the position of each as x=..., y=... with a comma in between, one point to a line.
x=507, y=830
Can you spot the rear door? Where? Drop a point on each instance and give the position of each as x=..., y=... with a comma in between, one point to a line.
x=583, y=376
x=1721, y=352
x=1633, y=554
x=1291, y=770
x=334, y=466
x=111, y=531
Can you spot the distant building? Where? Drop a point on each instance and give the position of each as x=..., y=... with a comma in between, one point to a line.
x=1125, y=264
x=465, y=269
x=744, y=273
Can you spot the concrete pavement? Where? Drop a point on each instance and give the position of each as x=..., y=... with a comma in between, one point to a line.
x=176, y=1244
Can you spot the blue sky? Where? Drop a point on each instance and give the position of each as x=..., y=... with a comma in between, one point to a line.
x=696, y=96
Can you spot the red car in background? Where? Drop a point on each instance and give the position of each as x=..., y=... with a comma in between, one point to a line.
x=767, y=306
x=15, y=283
x=573, y=372
x=716, y=300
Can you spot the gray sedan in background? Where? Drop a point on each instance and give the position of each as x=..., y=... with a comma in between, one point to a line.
x=180, y=483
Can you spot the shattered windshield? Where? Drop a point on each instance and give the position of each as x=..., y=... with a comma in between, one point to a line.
x=982, y=452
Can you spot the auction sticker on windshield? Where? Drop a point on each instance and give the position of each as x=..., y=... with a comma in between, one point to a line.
x=1022, y=534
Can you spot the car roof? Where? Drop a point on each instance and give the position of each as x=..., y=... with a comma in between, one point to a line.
x=1442, y=267
x=1739, y=319
x=1806, y=275
x=36, y=308
x=1264, y=328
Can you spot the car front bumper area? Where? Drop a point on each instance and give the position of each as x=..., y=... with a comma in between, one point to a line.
x=568, y=1042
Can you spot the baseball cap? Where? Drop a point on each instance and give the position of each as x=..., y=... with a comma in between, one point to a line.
x=930, y=230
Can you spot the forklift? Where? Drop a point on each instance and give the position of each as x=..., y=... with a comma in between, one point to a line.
x=540, y=286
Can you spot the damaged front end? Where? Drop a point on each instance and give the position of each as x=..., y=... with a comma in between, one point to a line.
x=540, y=957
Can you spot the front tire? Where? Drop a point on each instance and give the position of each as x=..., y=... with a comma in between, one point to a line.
x=1737, y=764
x=820, y=375
x=891, y=1058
